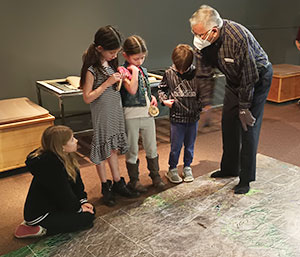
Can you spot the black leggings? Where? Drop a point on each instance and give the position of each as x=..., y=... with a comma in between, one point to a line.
x=58, y=222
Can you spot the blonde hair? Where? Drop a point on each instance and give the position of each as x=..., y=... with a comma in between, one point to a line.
x=182, y=57
x=53, y=139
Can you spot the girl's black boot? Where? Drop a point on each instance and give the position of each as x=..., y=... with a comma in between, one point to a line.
x=121, y=188
x=108, y=194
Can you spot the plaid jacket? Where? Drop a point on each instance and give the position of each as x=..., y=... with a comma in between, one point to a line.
x=238, y=55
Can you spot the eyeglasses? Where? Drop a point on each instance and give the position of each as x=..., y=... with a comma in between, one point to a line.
x=201, y=35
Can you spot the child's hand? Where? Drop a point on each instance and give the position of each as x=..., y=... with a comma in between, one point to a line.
x=124, y=72
x=114, y=78
x=169, y=102
x=153, y=100
x=87, y=207
x=133, y=68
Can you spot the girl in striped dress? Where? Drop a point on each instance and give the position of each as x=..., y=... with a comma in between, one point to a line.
x=98, y=81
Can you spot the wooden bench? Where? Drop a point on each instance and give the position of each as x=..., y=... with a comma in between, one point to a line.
x=285, y=83
x=22, y=123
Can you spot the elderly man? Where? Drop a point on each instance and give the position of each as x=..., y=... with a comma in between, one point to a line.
x=231, y=48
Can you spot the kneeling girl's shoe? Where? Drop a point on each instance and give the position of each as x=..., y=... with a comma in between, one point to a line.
x=26, y=231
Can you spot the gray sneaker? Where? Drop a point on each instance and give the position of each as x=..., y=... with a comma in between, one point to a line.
x=187, y=174
x=173, y=176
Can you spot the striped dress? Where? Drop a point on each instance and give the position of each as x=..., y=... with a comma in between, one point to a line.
x=108, y=120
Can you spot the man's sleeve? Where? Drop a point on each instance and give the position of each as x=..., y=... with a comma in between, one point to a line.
x=248, y=76
x=204, y=80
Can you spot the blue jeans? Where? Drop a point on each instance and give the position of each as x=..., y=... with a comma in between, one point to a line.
x=182, y=133
x=239, y=146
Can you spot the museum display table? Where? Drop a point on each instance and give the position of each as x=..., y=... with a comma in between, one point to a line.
x=62, y=89
x=22, y=123
x=285, y=83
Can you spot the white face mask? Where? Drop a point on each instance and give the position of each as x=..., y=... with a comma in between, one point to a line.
x=200, y=43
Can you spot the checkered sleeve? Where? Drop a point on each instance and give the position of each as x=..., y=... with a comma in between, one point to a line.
x=248, y=75
x=204, y=80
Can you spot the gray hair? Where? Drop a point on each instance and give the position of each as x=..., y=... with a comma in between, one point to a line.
x=207, y=16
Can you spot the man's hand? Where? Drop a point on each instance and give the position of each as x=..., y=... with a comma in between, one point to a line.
x=246, y=118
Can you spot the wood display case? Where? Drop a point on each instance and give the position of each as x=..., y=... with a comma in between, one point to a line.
x=22, y=123
x=285, y=83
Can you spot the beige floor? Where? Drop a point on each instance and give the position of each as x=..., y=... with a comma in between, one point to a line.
x=279, y=139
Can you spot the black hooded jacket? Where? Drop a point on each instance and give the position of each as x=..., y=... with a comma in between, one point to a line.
x=189, y=95
x=51, y=189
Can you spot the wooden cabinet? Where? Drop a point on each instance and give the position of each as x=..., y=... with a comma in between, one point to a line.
x=22, y=123
x=285, y=83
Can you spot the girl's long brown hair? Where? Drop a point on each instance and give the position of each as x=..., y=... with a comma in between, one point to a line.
x=53, y=139
x=110, y=39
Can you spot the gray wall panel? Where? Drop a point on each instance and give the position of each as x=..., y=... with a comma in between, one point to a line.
x=45, y=39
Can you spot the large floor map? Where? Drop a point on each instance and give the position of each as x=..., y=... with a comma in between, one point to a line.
x=203, y=218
